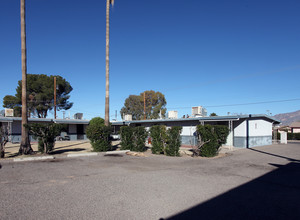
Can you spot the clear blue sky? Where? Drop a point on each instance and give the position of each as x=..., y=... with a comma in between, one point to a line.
x=196, y=52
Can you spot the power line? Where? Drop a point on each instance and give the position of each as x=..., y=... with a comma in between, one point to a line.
x=238, y=104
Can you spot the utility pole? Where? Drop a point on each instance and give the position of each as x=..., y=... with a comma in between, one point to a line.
x=54, y=97
x=144, y=106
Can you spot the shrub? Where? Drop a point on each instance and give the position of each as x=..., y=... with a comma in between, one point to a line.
x=133, y=138
x=46, y=134
x=140, y=135
x=173, y=141
x=158, y=135
x=222, y=133
x=99, y=135
x=210, y=138
x=126, y=138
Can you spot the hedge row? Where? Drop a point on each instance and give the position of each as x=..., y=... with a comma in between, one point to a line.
x=290, y=136
x=133, y=138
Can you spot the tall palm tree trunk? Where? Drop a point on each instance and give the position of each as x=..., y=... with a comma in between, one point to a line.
x=25, y=147
x=108, y=2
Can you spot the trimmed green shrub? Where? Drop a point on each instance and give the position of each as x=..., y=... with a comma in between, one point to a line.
x=158, y=135
x=46, y=134
x=140, y=135
x=173, y=141
x=133, y=138
x=99, y=135
x=126, y=138
x=210, y=138
x=222, y=133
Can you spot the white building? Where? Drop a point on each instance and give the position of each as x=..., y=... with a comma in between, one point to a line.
x=245, y=131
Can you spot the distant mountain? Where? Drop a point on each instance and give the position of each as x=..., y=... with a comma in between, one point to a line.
x=288, y=118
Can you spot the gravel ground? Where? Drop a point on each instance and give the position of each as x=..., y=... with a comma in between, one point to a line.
x=258, y=183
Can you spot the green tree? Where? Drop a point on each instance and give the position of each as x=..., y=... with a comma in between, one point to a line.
x=213, y=114
x=40, y=95
x=155, y=104
x=99, y=134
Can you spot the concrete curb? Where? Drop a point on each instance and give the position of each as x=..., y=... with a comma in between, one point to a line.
x=34, y=158
x=68, y=155
x=82, y=154
x=117, y=152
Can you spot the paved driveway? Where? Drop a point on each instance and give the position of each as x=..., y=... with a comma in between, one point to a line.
x=258, y=183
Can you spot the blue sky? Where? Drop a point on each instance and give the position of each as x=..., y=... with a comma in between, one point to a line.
x=209, y=53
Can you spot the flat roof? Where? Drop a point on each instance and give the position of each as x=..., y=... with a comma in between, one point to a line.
x=212, y=118
x=59, y=121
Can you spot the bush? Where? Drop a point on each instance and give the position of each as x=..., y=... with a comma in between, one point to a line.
x=173, y=141
x=158, y=135
x=139, y=138
x=133, y=138
x=99, y=135
x=46, y=134
x=126, y=138
x=222, y=133
x=210, y=138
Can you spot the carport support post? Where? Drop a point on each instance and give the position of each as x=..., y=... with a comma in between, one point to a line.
x=247, y=132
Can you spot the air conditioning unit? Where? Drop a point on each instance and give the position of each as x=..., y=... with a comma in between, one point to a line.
x=78, y=116
x=9, y=112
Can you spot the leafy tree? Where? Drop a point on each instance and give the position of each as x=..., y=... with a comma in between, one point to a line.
x=40, y=95
x=46, y=134
x=213, y=114
x=99, y=134
x=155, y=104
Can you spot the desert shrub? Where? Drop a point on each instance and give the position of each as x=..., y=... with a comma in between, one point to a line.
x=158, y=135
x=173, y=141
x=99, y=135
x=46, y=134
x=133, y=138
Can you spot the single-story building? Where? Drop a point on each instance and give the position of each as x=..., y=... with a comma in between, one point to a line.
x=245, y=130
x=75, y=128
x=295, y=127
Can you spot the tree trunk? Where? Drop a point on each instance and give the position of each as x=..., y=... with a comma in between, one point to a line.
x=107, y=65
x=25, y=147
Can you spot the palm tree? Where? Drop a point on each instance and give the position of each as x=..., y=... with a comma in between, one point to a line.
x=108, y=3
x=25, y=147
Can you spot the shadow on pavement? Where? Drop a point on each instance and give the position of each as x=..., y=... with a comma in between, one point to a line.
x=71, y=145
x=275, y=195
x=67, y=150
x=275, y=155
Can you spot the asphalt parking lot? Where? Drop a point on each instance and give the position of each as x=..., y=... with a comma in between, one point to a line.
x=258, y=183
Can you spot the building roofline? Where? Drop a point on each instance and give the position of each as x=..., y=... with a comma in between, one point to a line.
x=212, y=118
